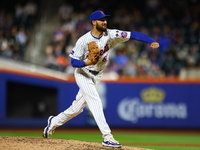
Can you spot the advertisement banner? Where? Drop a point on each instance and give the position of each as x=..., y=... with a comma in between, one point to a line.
x=153, y=105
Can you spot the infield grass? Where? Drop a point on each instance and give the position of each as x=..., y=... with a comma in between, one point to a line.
x=156, y=141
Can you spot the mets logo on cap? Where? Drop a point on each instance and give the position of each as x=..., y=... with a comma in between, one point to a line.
x=102, y=12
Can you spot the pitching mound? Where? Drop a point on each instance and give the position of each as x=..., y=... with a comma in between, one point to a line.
x=40, y=143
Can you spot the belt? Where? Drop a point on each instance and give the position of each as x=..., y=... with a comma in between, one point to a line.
x=94, y=72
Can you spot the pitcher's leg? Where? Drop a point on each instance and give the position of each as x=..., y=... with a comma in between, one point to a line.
x=96, y=108
x=76, y=108
x=90, y=94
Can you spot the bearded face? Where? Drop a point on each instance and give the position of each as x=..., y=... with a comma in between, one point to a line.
x=101, y=25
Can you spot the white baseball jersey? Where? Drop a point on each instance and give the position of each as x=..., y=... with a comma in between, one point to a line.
x=106, y=44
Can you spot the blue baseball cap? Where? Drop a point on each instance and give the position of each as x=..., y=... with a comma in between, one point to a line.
x=97, y=15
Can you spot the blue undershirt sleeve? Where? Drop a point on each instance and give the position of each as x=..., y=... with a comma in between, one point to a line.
x=139, y=36
x=77, y=63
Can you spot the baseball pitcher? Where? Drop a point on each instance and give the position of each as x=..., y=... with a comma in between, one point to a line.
x=90, y=57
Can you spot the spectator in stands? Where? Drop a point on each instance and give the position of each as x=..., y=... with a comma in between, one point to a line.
x=6, y=50
x=192, y=59
x=17, y=52
x=130, y=69
x=168, y=66
x=121, y=59
x=143, y=64
x=30, y=12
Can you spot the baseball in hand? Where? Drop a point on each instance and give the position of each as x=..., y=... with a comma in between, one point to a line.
x=154, y=45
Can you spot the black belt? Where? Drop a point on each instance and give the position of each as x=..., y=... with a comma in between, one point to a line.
x=94, y=72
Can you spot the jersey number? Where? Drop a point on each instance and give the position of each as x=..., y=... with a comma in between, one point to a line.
x=104, y=59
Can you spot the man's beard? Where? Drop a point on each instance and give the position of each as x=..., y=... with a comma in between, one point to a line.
x=99, y=28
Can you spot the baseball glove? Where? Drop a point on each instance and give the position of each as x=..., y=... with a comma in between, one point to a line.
x=94, y=52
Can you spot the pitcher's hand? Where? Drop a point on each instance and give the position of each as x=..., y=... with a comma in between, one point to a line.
x=154, y=45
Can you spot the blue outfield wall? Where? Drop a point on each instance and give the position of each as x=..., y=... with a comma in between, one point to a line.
x=146, y=105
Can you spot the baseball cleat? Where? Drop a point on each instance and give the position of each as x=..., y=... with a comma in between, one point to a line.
x=49, y=129
x=111, y=142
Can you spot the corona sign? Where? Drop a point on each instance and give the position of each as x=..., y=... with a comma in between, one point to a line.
x=152, y=105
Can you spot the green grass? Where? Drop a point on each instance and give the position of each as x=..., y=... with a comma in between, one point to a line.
x=124, y=138
x=169, y=148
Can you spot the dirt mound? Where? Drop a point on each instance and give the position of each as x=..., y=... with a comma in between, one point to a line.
x=39, y=143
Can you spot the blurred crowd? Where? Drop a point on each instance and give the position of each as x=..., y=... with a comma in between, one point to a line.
x=174, y=24
x=16, y=24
